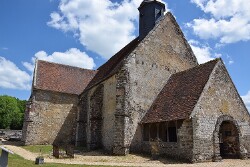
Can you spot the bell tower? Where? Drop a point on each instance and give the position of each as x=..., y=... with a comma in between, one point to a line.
x=150, y=12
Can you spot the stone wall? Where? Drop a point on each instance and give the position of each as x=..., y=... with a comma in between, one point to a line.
x=82, y=121
x=146, y=70
x=181, y=149
x=51, y=118
x=109, y=106
x=101, y=98
x=121, y=115
x=8, y=134
x=96, y=118
x=219, y=102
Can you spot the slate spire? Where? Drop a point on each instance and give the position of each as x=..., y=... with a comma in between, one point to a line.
x=150, y=13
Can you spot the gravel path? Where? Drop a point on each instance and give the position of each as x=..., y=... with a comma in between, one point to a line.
x=95, y=158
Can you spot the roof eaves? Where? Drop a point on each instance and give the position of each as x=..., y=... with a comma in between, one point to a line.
x=55, y=91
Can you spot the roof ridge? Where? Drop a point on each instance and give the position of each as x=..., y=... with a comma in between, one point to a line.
x=66, y=65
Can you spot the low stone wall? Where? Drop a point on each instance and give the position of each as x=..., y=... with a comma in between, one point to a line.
x=8, y=134
x=182, y=149
x=171, y=150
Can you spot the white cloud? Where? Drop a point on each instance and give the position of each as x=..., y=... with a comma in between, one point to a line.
x=229, y=22
x=4, y=48
x=72, y=57
x=199, y=3
x=230, y=60
x=102, y=26
x=246, y=99
x=203, y=53
x=29, y=66
x=11, y=77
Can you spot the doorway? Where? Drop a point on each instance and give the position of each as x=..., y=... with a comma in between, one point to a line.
x=229, y=140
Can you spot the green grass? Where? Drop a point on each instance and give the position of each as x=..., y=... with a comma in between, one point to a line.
x=17, y=161
x=43, y=149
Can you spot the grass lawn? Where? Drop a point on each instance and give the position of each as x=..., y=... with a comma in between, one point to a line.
x=43, y=149
x=17, y=161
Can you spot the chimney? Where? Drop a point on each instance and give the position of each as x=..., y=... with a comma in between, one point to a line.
x=150, y=12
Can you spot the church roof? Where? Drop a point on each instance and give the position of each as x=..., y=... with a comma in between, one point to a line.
x=112, y=65
x=181, y=93
x=61, y=78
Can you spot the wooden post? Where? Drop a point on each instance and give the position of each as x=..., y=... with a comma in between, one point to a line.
x=157, y=125
x=70, y=151
x=176, y=131
x=149, y=128
x=55, y=151
x=167, y=132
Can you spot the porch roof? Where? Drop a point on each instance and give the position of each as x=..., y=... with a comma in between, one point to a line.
x=181, y=93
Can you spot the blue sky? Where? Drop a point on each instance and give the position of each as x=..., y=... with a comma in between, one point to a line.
x=85, y=33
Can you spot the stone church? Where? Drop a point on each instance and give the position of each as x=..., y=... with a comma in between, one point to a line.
x=153, y=88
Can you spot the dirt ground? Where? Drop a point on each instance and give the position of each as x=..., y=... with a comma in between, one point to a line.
x=98, y=158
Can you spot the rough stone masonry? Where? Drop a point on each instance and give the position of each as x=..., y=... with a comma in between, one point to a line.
x=153, y=89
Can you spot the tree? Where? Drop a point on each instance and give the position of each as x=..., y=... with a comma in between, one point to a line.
x=11, y=112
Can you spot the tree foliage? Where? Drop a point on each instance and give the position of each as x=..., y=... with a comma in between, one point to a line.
x=11, y=112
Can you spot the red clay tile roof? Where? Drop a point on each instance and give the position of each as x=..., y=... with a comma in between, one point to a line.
x=179, y=96
x=62, y=78
x=113, y=64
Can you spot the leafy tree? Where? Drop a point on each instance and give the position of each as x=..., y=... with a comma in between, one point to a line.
x=21, y=104
x=11, y=112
